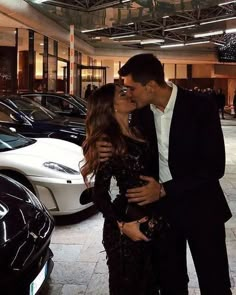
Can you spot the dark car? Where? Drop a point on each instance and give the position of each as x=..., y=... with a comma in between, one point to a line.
x=62, y=104
x=26, y=229
x=30, y=119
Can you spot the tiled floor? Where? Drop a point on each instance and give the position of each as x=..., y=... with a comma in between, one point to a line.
x=80, y=262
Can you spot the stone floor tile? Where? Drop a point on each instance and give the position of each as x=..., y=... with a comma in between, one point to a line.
x=73, y=290
x=68, y=253
x=77, y=273
x=98, y=285
x=50, y=288
x=230, y=235
x=91, y=254
x=231, y=197
x=232, y=205
x=101, y=266
x=231, y=223
x=194, y=291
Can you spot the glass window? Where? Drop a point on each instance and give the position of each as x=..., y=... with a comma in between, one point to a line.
x=38, y=47
x=7, y=114
x=51, y=47
x=11, y=141
x=7, y=60
x=23, y=60
x=63, y=51
x=33, y=110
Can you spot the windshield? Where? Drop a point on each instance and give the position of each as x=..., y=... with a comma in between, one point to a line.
x=33, y=110
x=81, y=102
x=11, y=141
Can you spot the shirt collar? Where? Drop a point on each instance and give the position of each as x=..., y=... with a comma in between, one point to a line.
x=171, y=103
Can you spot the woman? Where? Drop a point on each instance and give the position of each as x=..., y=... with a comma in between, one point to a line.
x=131, y=255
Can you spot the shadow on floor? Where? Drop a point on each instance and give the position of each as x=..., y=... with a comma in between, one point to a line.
x=76, y=217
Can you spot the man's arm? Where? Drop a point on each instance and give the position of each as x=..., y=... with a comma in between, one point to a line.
x=210, y=154
x=149, y=193
x=104, y=149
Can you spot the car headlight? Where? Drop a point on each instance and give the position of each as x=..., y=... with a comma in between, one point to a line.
x=60, y=168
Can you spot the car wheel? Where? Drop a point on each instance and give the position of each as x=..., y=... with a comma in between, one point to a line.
x=20, y=178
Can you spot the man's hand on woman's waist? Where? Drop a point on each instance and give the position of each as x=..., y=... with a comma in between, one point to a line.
x=146, y=194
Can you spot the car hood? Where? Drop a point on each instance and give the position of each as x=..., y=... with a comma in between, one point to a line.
x=18, y=209
x=30, y=158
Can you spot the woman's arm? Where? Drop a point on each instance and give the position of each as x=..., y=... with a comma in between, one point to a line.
x=102, y=200
x=101, y=196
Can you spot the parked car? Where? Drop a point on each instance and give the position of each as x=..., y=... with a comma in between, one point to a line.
x=62, y=104
x=26, y=229
x=33, y=120
x=48, y=167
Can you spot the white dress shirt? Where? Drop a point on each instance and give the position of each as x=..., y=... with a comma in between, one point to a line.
x=162, y=125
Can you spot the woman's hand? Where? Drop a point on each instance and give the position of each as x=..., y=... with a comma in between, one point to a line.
x=131, y=229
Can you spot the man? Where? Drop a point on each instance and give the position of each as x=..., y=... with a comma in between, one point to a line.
x=184, y=127
x=220, y=101
x=234, y=103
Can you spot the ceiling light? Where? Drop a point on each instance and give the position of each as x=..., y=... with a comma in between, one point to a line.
x=124, y=1
x=124, y=36
x=178, y=28
x=196, y=43
x=92, y=30
x=225, y=3
x=128, y=41
x=230, y=31
x=172, y=45
x=217, y=20
x=219, y=44
x=208, y=34
x=165, y=16
x=151, y=41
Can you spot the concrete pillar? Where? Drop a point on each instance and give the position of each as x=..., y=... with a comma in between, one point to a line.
x=109, y=63
x=72, y=60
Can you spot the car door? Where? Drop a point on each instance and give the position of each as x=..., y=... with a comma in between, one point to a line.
x=18, y=122
x=59, y=105
x=14, y=120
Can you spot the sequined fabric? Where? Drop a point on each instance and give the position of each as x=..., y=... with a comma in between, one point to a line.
x=126, y=169
x=132, y=265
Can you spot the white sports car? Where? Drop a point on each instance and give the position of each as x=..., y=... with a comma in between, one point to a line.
x=48, y=167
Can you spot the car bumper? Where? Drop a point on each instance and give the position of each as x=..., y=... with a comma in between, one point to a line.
x=27, y=281
x=60, y=196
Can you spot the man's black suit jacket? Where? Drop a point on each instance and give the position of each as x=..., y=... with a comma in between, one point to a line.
x=196, y=160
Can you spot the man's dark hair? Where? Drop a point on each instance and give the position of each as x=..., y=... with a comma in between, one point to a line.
x=144, y=68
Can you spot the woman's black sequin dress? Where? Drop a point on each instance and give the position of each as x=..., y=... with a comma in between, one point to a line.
x=132, y=265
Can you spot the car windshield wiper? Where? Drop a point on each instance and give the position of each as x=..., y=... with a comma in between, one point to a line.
x=31, y=141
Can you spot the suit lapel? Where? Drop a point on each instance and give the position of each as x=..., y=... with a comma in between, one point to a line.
x=178, y=124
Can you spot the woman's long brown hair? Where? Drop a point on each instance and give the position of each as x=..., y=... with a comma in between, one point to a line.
x=101, y=123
